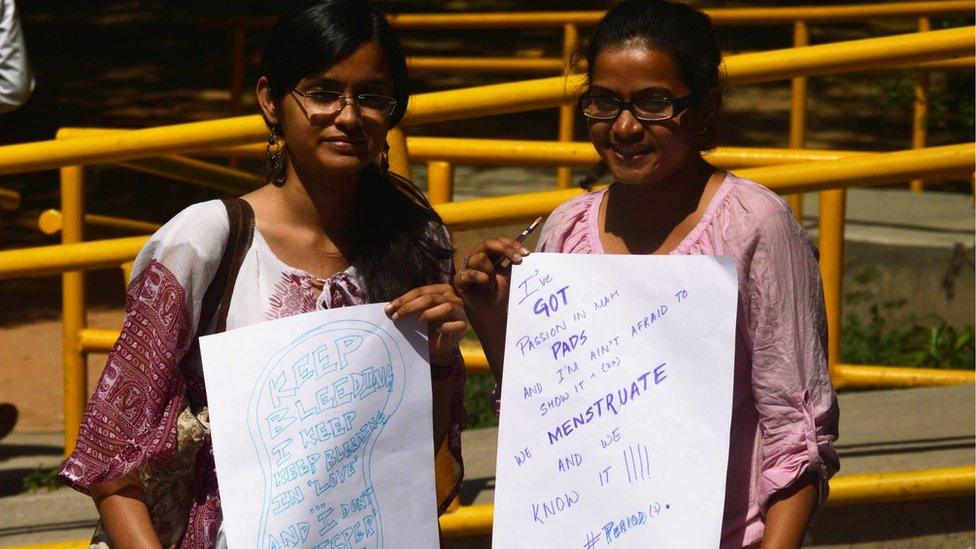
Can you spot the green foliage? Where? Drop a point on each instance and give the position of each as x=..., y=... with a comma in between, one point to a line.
x=476, y=394
x=950, y=93
x=42, y=477
x=890, y=336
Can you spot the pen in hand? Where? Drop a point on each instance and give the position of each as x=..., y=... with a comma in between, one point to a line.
x=505, y=263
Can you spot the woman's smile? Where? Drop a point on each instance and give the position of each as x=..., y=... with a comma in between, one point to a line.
x=631, y=154
x=345, y=144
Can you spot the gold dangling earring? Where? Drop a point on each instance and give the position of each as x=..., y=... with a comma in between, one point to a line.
x=274, y=158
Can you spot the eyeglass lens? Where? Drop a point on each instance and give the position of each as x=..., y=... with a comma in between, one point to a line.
x=655, y=108
x=329, y=102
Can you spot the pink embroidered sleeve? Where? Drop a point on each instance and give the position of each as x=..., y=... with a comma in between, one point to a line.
x=131, y=417
x=796, y=402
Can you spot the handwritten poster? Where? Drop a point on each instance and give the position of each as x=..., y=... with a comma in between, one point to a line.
x=322, y=429
x=616, y=402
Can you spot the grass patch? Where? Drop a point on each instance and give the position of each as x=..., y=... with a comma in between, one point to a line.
x=890, y=335
x=476, y=393
x=42, y=478
x=890, y=338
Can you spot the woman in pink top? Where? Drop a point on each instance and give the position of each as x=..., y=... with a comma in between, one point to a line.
x=653, y=73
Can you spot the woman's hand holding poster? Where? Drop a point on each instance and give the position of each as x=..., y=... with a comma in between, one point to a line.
x=616, y=401
x=321, y=428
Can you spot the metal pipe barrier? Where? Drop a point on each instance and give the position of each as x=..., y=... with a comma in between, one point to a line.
x=720, y=16
x=78, y=339
x=799, y=16
x=853, y=169
x=77, y=255
x=746, y=68
x=52, y=221
x=9, y=200
x=441, y=156
x=129, y=145
x=845, y=490
x=920, y=108
x=483, y=101
x=831, y=176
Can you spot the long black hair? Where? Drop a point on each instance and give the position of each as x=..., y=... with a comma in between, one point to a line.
x=677, y=29
x=397, y=240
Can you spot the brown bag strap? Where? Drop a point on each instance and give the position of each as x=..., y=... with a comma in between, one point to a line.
x=216, y=301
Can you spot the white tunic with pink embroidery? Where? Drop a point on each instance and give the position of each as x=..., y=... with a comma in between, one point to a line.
x=131, y=417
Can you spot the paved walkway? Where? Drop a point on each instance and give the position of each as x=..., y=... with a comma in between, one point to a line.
x=880, y=431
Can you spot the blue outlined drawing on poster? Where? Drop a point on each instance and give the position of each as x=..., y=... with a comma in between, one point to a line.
x=315, y=418
x=616, y=406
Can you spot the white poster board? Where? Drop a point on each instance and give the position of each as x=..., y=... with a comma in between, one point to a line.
x=322, y=431
x=616, y=402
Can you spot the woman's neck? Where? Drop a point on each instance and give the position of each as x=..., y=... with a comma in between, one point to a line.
x=644, y=216
x=320, y=204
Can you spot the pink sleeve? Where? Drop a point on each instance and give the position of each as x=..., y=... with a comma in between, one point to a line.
x=131, y=417
x=796, y=402
x=567, y=228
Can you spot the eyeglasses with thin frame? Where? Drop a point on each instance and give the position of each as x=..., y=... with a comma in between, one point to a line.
x=321, y=102
x=651, y=109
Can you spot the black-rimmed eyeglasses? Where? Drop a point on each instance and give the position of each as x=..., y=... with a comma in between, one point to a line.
x=651, y=109
x=319, y=102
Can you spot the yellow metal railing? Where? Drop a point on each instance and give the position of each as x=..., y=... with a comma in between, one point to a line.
x=831, y=177
x=9, y=200
x=947, y=482
x=483, y=101
x=800, y=17
x=921, y=484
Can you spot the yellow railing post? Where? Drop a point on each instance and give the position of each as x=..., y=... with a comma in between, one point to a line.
x=920, y=112
x=399, y=156
x=832, y=207
x=440, y=182
x=73, y=306
x=567, y=111
x=798, y=111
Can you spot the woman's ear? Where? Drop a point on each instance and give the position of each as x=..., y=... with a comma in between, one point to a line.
x=268, y=108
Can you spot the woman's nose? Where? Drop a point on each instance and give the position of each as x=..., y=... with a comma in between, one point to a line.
x=348, y=115
x=627, y=126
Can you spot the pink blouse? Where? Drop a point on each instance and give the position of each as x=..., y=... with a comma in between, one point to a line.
x=784, y=408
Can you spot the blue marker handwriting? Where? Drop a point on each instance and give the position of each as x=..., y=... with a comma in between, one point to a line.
x=610, y=438
x=569, y=463
x=563, y=347
x=527, y=343
x=551, y=304
x=554, y=402
x=293, y=536
x=551, y=507
x=606, y=300
x=609, y=403
x=532, y=284
x=323, y=360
